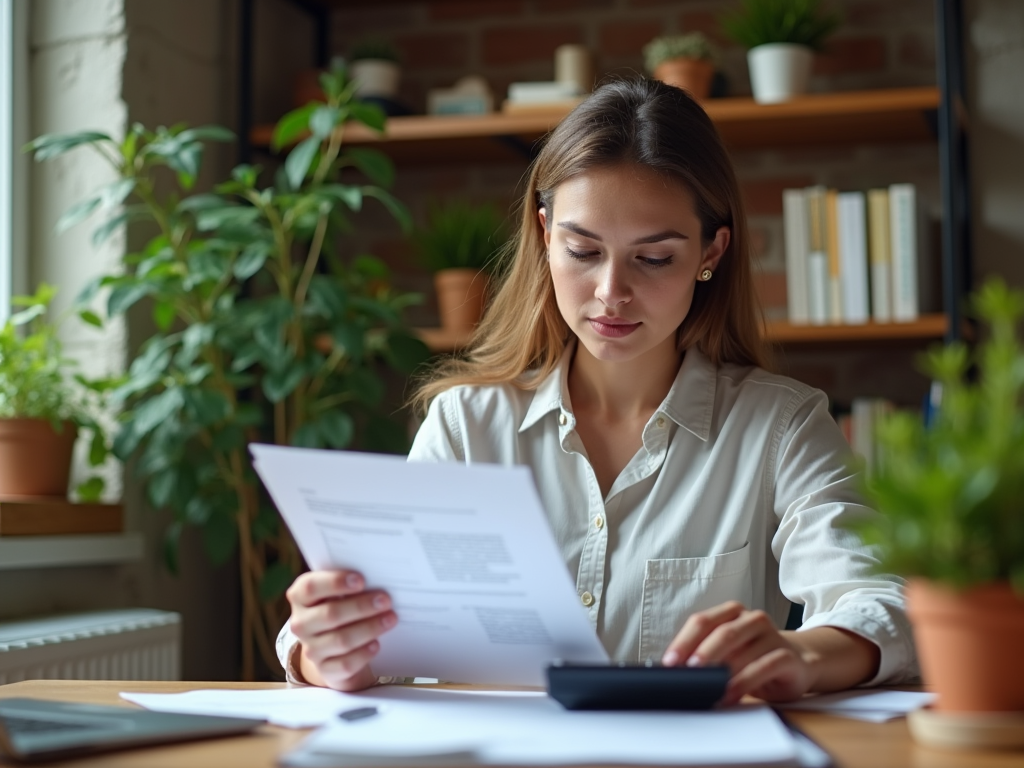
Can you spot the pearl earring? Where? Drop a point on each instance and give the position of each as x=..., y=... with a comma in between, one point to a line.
x=705, y=275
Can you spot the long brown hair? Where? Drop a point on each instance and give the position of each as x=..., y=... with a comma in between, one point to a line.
x=643, y=122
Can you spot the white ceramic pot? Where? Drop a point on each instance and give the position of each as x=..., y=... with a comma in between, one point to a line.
x=375, y=77
x=779, y=71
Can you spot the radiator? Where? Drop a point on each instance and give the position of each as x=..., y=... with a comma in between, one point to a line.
x=132, y=644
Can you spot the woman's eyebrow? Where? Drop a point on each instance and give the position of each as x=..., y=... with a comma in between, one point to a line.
x=668, y=234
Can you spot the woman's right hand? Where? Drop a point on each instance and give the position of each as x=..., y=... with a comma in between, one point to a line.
x=337, y=623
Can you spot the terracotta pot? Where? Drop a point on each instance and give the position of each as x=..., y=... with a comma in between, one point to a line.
x=970, y=644
x=693, y=75
x=35, y=459
x=460, y=297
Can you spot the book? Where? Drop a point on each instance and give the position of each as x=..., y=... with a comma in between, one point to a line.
x=795, y=234
x=879, y=255
x=903, y=244
x=835, y=293
x=817, y=257
x=851, y=236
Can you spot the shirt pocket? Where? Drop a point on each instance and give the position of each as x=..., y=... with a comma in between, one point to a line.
x=675, y=588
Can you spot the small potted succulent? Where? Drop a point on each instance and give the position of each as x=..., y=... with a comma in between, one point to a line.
x=458, y=245
x=951, y=500
x=41, y=409
x=373, y=66
x=781, y=37
x=685, y=61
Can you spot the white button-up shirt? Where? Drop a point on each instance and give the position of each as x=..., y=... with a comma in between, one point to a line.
x=740, y=492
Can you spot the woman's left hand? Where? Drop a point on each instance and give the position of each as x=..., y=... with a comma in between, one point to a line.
x=764, y=661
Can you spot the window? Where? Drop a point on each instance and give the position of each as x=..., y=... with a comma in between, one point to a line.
x=14, y=127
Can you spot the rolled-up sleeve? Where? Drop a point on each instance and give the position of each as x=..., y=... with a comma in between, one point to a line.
x=823, y=565
x=286, y=644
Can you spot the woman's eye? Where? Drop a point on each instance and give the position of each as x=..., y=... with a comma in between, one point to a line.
x=579, y=255
x=652, y=262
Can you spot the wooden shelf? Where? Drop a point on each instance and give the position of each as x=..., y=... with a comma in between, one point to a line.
x=892, y=115
x=18, y=552
x=49, y=516
x=926, y=327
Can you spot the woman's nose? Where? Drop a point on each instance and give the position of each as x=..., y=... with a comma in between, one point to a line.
x=613, y=285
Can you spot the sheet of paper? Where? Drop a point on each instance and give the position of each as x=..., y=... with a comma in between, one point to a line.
x=304, y=707
x=531, y=730
x=479, y=586
x=301, y=707
x=864, y=704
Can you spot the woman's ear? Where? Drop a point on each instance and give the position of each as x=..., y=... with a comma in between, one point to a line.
x=716, y=249
x=542, y=217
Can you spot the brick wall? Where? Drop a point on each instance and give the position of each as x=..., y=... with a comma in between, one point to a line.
x=882, y=43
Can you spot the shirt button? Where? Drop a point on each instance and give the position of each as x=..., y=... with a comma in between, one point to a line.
x=587, y=598
x=660, y=422
x=563, y=419
x=599, y=522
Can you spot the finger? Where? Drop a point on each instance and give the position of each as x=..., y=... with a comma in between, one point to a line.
x=347, y=639
x=314, y=586
x=350, y=671
x=307, y=623
x=769, y=667
x=749, y=653
x=728, y=639
x=696, y=628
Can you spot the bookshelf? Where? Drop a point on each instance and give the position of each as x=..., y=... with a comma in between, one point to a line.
x=892, y=115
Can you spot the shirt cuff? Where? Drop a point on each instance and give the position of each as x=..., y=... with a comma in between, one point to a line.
x=894, y=638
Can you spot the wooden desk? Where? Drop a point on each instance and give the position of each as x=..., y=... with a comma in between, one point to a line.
x=854, y=744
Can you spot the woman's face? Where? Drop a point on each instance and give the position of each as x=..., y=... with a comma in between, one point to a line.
x=624, y=249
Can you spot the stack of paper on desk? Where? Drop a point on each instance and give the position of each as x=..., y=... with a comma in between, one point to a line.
x=481, y=591
x=860, y=704
x=421, y=727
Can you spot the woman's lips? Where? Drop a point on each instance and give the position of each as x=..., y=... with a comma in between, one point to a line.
x=611, y=327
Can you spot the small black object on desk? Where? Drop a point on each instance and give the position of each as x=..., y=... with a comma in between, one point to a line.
x=636, y=686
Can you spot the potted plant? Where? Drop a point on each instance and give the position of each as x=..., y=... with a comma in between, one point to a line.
x=41, y=409
x=685, y=61
x=245, y=284
x=781, y=37
x=373, y=66
x=951, y=498
x=458, y=245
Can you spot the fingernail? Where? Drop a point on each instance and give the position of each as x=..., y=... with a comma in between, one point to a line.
x=389, y=621
x=670, y=658
x=380, y=602
x=694, y=661
x=373, y=646
x=353, y=580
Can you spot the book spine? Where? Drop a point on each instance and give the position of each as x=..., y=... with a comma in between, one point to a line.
x=817, y=258
x=878, y=249
x=835, y=294
x=794, y=208
x=903, y=249
x=853, y=256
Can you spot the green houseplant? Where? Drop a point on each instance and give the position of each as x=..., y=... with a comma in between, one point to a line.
x=951, y=498
x=459, y=244
x=43, y=407
x=781, y=37
x=266, y=331
x=685, y=61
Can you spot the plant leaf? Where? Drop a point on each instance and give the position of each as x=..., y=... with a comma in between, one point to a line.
x=276, y=579
x=54, y=144
x=296, y=165
x=291, y=125
x=375, y=164
x=77, y=213
x=220, y=537
x=91, y=490
x=394, y=206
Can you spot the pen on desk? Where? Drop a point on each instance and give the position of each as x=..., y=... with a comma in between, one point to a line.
x=358, y=714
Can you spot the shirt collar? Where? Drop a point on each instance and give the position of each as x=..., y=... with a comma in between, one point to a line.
x=553, y=392
x=690, y=401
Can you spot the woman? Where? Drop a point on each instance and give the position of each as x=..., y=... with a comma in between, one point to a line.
x=693, y=494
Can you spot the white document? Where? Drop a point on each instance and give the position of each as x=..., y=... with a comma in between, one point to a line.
x=302, y=707
x=869, y=705
x=415, y=725
x=466, y=553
